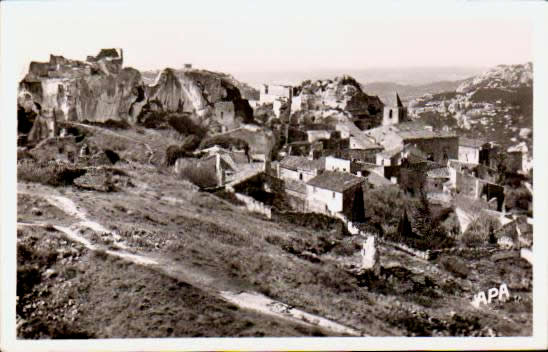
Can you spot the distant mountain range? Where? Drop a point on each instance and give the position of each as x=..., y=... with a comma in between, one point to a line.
x=496, y=105
x=405, y=76
x=408, y=92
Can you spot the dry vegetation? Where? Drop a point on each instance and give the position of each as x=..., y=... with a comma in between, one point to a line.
x=210, y=244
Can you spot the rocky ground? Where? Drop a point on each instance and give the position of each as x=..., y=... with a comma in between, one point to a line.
x=156, y=257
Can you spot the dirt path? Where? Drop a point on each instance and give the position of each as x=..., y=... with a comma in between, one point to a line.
x=245, y=300
x=67, y=205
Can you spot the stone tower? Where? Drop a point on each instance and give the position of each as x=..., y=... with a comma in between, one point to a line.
x=394, y=111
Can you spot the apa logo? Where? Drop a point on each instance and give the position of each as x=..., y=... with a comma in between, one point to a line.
x=501, y=292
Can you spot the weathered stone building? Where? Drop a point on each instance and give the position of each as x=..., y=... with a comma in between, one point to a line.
x=299, y=168
x=335, y=192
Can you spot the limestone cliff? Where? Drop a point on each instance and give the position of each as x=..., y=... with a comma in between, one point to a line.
x=341, y=93
x=96, y=90
x=101, y=89
x=208, y=96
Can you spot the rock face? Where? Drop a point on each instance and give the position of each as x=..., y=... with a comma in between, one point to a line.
x=71, y=90
x=495, y=105
x=342, y=93
x=500, y=77
x=101, y=89
x=204, y=94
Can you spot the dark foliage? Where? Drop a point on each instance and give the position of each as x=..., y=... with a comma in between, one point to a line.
x=455, y=266
x=183, y=124
x=48, y=173
x=174, y=152
x=112, y=156
x=30, y=264
x=25, y=120
x=225, y=142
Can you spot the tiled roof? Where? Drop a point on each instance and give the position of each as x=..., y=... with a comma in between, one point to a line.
x=295, y=186
x=336, y=181
x=294, y=162
x=364, y=142
x=377, y=180
x=390, y=153
x=471, y=142
x=442, y=172
x=424, y=134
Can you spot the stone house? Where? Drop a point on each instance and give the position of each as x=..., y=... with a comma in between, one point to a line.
x=436, y=179
x=337, y=164
x=216, y=169
x=335, y=192
x=269, y=93
x=300, y=168
x=225, y=115
x=469, y=150
x=475, y=187
x=438, y=146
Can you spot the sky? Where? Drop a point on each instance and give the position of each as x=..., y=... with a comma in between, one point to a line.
x=266, y=36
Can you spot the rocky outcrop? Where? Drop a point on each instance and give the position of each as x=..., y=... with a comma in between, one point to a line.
x=495, y=105
x=342, y=93
x=96, y=90
x=101, y=89
x=505, y=77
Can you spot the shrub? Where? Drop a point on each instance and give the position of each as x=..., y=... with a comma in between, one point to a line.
x=225, y=142
x=185, y=125
x=519, y=199
x=455, y=266
x=477, y=233
x=30, y=262
x=112, y=156
x=51, y=174
x=174, y=152
x=201, y=176
x=384, y=207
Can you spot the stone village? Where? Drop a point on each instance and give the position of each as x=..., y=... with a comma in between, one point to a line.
x=323, y=167
x=310, y=148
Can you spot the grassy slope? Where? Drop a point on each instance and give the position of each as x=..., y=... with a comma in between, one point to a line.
x=215, y=239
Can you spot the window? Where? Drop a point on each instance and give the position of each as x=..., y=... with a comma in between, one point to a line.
x=390, y=114
x=222, y=114
x=265, y=89
x=300, y=176
x=333, y=195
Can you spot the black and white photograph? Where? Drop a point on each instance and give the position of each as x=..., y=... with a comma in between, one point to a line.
x=186, y=171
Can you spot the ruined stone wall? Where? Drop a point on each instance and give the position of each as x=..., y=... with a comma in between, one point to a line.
x=270, y=92
x=468, y=154
x=439, y=148
x=255, y=206
x=224, y=112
